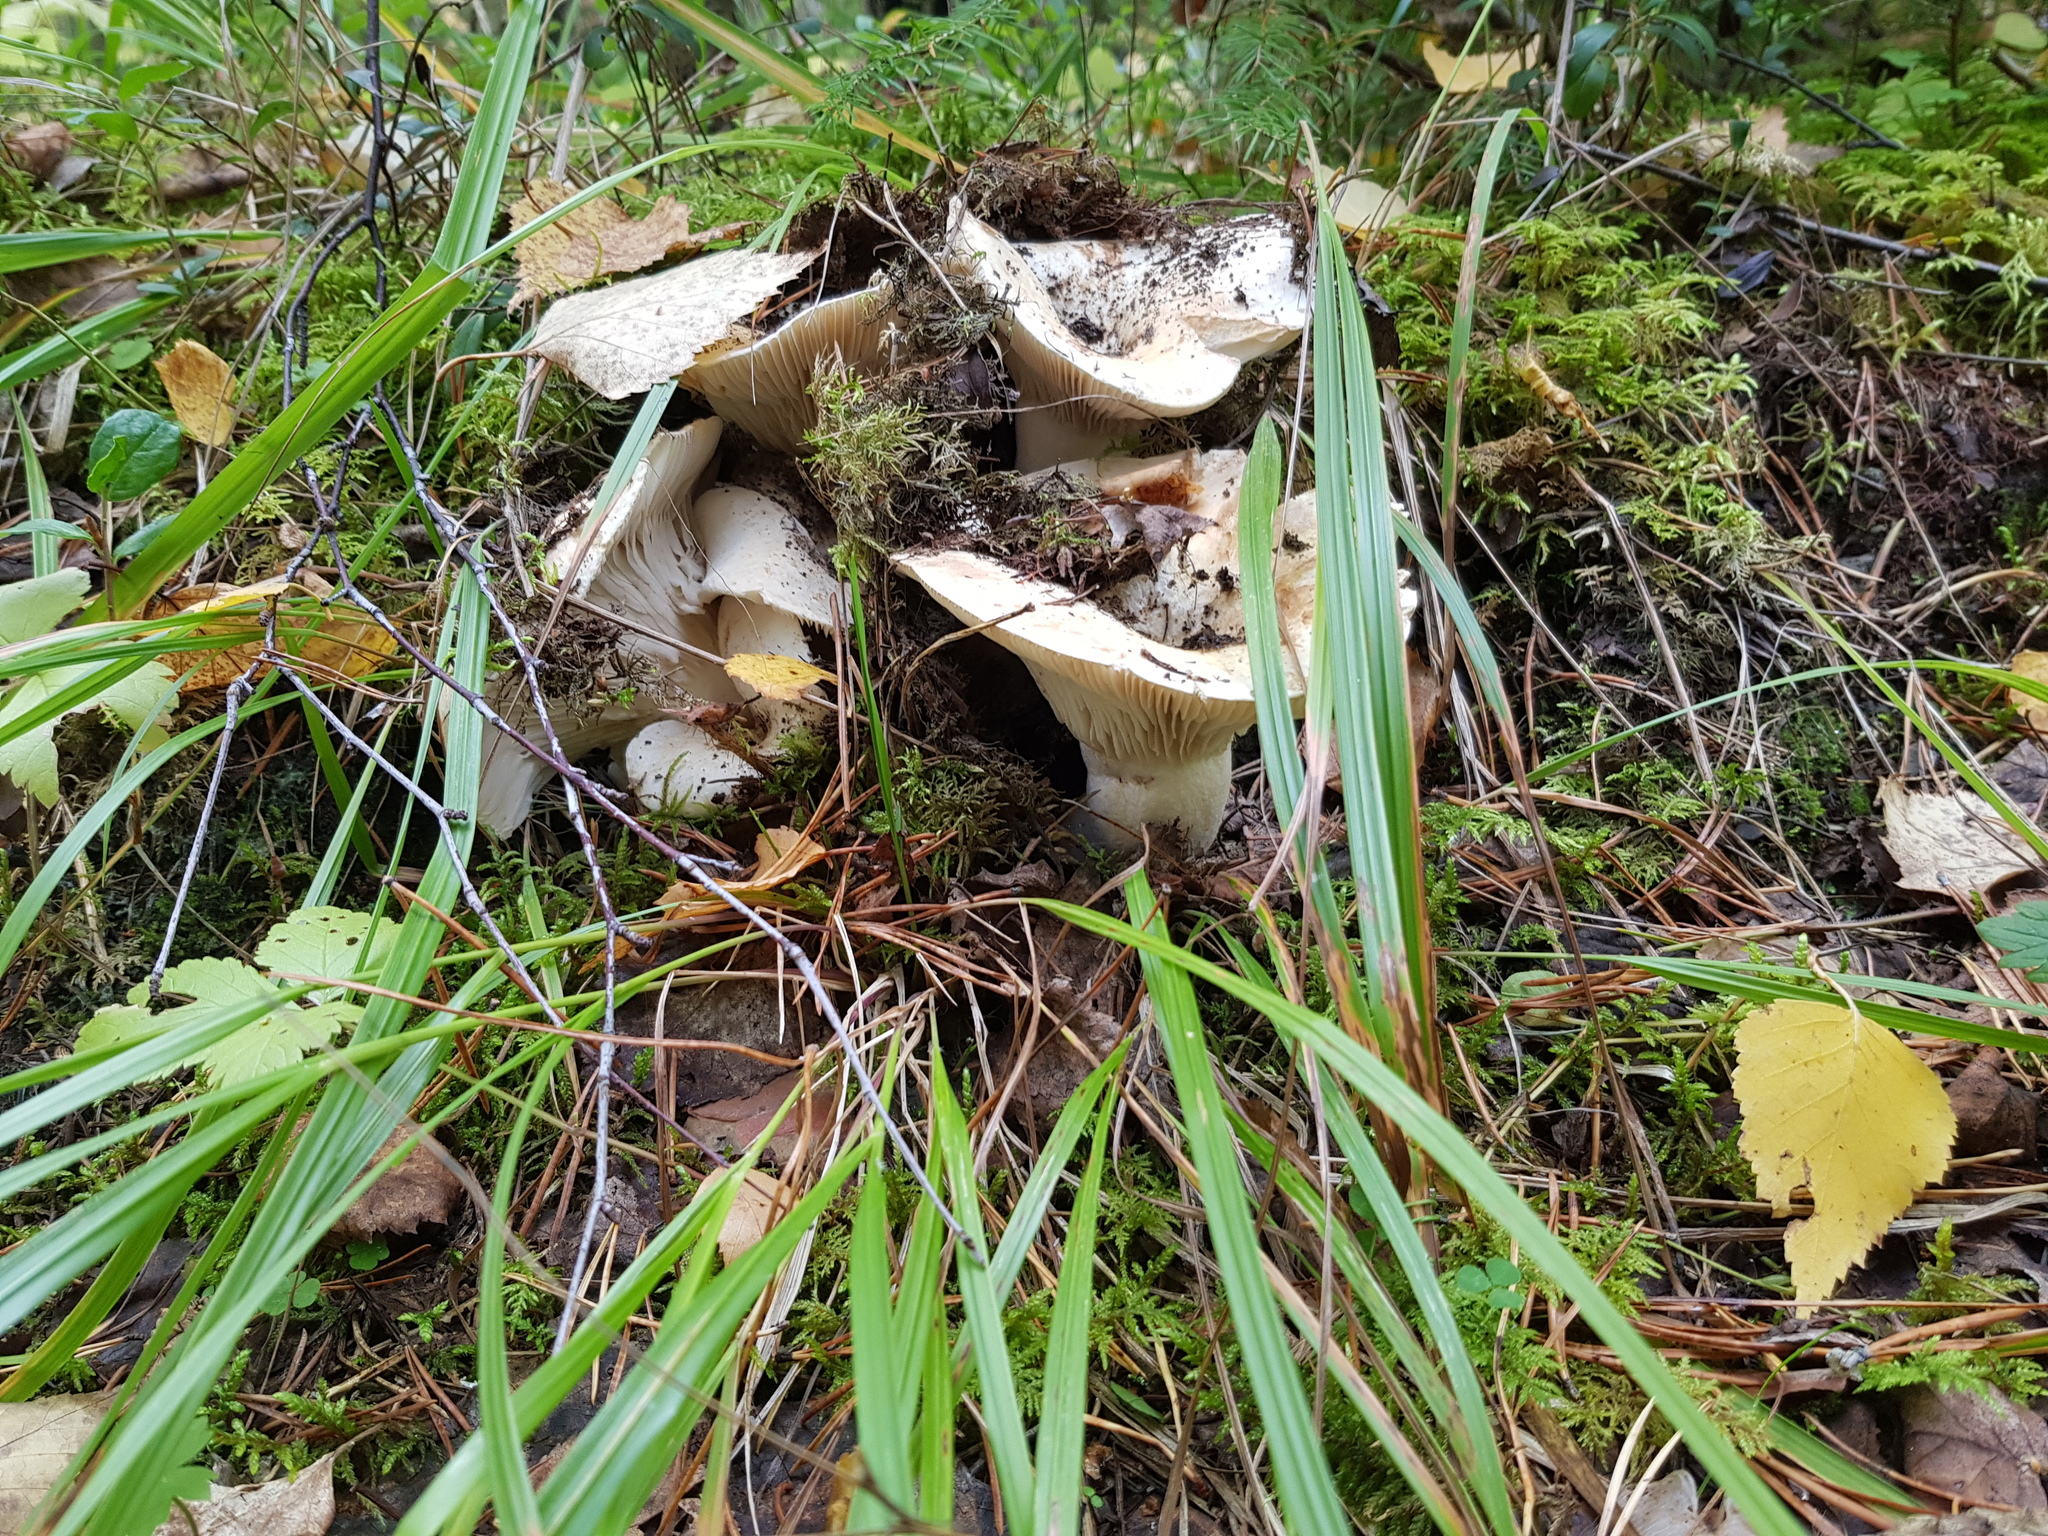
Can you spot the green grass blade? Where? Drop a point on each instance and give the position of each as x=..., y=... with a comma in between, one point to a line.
x=1461, y=320
x=621, y=1455
x=1361, y=638
x=466, y=228
x=30, y=249
x=1308, y=1496
x=1258, y=497
x=1061, y=1430
x=982, y=1305
x=45, y=547
x=1035, y=1199
x=28, y=364
x=1445, y=1143
x=935, y=1430
x=797, y=83
x=882, y=1413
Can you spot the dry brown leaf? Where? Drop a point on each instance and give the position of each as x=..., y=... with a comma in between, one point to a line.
x=1949, y=845
x=37, y=1441
x=783, y=678
x=747, y=1222
x=421, y=1189
x=1476, y=71
x=298, y=1506
x=202, y=391
x=1975, y=1444
x=37, y=150
x=600, y=239
x=1836, y=1103
x=2033, y=666
x=781, y=854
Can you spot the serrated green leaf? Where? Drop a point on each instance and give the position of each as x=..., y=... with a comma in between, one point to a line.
x=269, y=1044
x=117, y=1025
x=326, y=941
x=28, y=755
x=2020, y=936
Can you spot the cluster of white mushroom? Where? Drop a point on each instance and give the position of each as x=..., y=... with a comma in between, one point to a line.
x=1099, y=337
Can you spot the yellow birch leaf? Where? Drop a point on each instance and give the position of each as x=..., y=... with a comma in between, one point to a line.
x=1476, y=71
x=202, y=391
x=1837, y=1103
x=775, y=677
x=2033, y=666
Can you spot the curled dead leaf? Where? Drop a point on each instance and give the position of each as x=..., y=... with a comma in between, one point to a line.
x=775, y=677
x=752, y=1213
x=37, y=150
x=780, y=855
x=202, y=390
x=37, y=1442
x=1949, y=845
x=290, y=1506
x=334, y=642
x=1836, y=1103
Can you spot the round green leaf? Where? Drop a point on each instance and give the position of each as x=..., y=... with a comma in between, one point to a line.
x=2018, y=31
x=132, y=451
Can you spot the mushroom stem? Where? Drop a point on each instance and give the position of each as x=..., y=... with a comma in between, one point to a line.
x=1123, y=797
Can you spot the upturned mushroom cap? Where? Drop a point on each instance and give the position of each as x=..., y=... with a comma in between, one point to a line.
x=1104, y=334
x=763, y=385
x=633, y=561
x=1155, y=722
x=625, y=339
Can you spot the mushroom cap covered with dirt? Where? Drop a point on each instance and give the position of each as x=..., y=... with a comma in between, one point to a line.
x=763, y=384
x=1154, y=722
x=1103, y=334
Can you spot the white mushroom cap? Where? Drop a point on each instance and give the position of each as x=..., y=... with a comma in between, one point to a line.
x=752, y=547
x=677, y=766
x=1155, y=722
x=764, y=385
x=627, y=338
x=1167, y=324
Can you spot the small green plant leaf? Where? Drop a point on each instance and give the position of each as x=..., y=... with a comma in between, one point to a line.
x=368, y=1255
x=1472, y=1281
x=2020, y=936
x=1503, y=1271
x=2018, y=31
x=28, y=754
x=131, y=452
x=139, y=79
x=326, y=941
x=293, y=1291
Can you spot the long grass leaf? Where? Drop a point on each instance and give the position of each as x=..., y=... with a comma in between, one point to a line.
x=1461, y=318
x=28, y=364
x=1308, y=1496
x=882, y=1414
x=1061, y=1430
x=1444, y=1142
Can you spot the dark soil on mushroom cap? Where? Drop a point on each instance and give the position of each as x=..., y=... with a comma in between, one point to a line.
x=1029, y=191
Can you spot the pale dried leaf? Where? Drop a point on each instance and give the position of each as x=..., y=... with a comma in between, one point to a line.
x=1949, y=844
x=783, y=678
x=747, y=1222
x=37, y=1441
x=1836, y=1103
x=202, y=390
x=299, y=1506
x=1361, y=205
x=782, y=853
x=1476, y=71
x=625, y=339
x=2033, y=666
x=600, y=239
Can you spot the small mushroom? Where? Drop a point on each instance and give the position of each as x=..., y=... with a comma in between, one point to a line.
x=763, y=385
x=1103, y=335
x=677, y=766
x=1154, y=722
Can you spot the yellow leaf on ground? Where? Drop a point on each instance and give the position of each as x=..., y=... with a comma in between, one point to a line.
x=202, y=391
x=2033, y=666
x=337, y=641
x=775, y=677
x=600, y=239
x=1476, y=71
x=1837, y=1103
x=781, y=854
